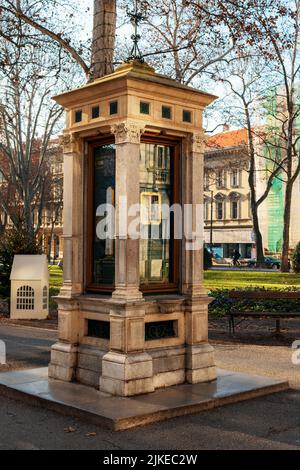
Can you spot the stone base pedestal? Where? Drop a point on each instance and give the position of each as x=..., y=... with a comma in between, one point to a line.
x=200, y=363
x=127, y=363
x=63, y=362
x=89, y=367
x=127, y=374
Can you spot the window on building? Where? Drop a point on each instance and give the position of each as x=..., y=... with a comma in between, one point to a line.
x=220, y=179
x=113, y=107
x=95, y=112
x=144, y=107
x=56, y=168
x=59, y=217
x=234, y=210
x=186, y=116
x=166, y=112
x=220, y=206
x=49, y=218
x=78, y=115
x=235, y=178
x=235, y=205
x=207, y=211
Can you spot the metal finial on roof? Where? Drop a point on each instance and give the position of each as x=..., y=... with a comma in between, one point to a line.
x=136, y=17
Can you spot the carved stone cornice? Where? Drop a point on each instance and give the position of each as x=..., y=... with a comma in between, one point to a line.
x=128, y=132
x=70, y=143
x=197, y=142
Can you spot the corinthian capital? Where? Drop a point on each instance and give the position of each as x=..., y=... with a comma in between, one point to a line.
x=128, y=132
x=197, y=142
x=70, y=143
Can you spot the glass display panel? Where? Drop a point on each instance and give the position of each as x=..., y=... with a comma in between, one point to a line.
x=156, y=194
x=104, y=193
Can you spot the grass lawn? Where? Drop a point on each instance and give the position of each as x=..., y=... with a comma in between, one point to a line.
x=236, y=279
x=217, y=279
x=56, y=280
x=56, y=277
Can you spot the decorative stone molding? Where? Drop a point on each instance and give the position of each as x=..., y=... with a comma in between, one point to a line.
x=170, y=305
x=70, y=143
x=128, y=132
x=196, y=142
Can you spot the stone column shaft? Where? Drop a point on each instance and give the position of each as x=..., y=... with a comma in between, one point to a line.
x=64, y=353
x=200, y=365
x=193, y=282
x=127, y=369
x=127, y=136
x=73, y=217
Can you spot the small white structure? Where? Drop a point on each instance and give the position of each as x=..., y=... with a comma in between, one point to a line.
x=29, y=287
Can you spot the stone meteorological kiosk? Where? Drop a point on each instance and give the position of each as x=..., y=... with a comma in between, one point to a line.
x=133, y=312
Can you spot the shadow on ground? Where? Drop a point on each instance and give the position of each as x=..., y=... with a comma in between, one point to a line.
x=255, y=331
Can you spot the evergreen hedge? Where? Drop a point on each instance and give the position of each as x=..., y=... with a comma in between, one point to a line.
x=222, y=302
x=296, y=259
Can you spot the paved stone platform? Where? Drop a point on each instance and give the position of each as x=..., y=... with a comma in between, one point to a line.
x=119, y=413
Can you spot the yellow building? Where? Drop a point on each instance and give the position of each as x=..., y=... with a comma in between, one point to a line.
x=227, y=211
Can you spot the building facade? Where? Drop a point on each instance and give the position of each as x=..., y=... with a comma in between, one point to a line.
x=227, y=211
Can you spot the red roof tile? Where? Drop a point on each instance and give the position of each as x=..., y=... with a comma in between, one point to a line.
x=228, y=139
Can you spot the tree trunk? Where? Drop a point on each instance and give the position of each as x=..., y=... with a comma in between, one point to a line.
x=104, y=35
x=291, y=178
x=286, y=227
x=258, y=236
x=253, y=199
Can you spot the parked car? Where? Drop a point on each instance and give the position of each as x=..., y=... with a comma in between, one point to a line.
x=269, y=262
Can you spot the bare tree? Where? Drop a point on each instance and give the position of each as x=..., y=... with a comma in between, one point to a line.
x=247, y=81
x=188, y=47
x=29, y=119
x=287, y=62
x=272, y=30
x=46, y=21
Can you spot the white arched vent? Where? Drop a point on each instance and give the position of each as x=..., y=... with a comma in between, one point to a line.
x=25, y=298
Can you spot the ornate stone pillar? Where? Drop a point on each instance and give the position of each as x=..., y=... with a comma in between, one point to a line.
x=127, y=369
x=64, y=352
x=127, y=138
x=200, y=366
x=73, y=216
